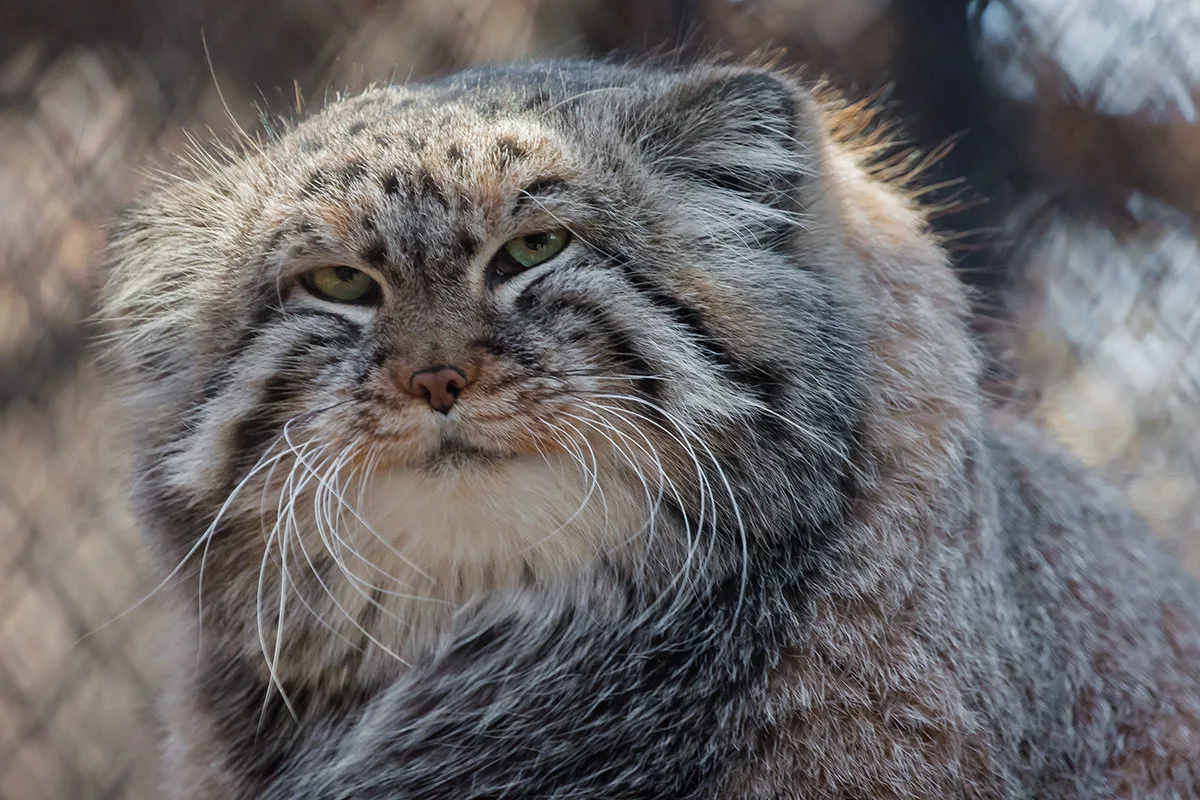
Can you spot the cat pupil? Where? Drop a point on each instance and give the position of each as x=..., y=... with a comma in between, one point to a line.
x=344, y=274
x=536, y=242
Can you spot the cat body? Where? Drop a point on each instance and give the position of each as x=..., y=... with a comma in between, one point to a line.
x=706, y=504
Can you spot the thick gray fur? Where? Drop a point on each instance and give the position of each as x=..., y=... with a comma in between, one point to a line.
x=865, y=584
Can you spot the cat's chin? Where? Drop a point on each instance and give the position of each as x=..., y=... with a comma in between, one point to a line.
x=482, y=524
x=436, y=444
x=455, y=453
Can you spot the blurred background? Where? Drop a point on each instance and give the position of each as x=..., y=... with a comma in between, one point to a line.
x=1074, y=179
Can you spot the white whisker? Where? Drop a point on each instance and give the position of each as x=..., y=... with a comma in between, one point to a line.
x=366, y=524
x=686, y=432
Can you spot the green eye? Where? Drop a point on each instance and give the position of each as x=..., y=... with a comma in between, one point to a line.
x=536, y=248
x=343, y=285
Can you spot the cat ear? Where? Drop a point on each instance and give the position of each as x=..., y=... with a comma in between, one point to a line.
x=743, y=141
x=737, y=131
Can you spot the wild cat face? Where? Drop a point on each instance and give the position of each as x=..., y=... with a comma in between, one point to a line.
x=449, y=279
x=522, y=310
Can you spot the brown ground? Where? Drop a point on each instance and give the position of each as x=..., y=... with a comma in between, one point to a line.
x=1100, y=314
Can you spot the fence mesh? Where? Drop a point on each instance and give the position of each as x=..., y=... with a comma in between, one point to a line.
x=1088, y=273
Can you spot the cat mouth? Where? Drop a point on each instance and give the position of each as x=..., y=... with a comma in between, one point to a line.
x=453, y=449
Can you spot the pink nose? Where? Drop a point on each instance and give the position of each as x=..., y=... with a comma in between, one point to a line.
x=438, y=386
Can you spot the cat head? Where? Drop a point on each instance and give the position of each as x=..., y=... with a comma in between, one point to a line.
x=550, y=308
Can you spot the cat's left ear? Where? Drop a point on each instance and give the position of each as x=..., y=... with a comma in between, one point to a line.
x=742, y=131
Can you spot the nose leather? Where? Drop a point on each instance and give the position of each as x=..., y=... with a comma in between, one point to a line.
x=439, y=386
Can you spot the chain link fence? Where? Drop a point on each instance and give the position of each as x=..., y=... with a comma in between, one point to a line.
x=74, y=718
x=1086, y=267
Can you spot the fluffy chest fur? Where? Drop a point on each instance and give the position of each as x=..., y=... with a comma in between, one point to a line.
x=420, y=545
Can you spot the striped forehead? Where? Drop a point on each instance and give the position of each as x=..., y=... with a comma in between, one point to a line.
x=405, y=188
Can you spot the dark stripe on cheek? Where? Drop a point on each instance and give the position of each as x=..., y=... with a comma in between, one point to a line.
x=682, y=314
x=531, y=294
x=758, y=377
x=631, y=358
x=265, y=312
x=773, y=189
x=762, y=379
x=264, y=422
x=274, y=405
x=344, y=332
x=512, y=347
x=371, y=362
x=622, y=345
